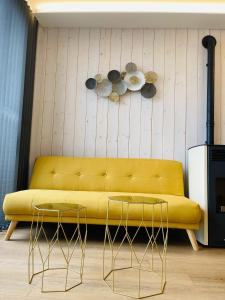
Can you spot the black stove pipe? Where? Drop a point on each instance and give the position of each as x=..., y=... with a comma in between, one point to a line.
x=209, y=42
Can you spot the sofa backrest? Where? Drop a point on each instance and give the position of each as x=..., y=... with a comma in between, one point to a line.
x=108, y=174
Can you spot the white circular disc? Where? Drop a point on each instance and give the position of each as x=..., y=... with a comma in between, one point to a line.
x=139, y=78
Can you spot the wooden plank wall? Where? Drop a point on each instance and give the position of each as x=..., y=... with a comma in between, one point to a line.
x=70, y=120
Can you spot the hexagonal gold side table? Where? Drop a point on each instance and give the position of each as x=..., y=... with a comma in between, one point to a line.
x=75, y=241
x=141, y=274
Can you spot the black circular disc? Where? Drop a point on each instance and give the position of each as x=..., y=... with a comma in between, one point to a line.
x=208, y=41
x=114, y=76
x=91, y=83
x=148, y=90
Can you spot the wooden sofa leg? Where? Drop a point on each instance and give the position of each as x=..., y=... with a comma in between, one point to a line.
x=10, y=230
x=192, y=239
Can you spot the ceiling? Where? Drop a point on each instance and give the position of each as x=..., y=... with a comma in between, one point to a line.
x=132, y=13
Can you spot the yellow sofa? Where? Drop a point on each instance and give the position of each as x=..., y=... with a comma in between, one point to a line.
x=89, y=181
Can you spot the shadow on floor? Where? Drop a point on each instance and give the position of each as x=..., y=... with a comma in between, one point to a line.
x=97, y=232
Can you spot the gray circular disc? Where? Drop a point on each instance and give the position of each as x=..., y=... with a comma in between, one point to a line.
x=91, y=83
x=120, y=87
x=114, y=76
x=104, y=88
x=148, y=90
x=131, y=67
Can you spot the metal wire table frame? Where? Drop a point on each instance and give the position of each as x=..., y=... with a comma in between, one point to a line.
x=126, y=202
x=58, y=209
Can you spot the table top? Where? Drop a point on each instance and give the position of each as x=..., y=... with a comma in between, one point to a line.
x=137, y=199
x=59, y=207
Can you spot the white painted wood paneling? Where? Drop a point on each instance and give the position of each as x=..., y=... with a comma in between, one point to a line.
x=70, y=120
x=102, y=106
x=202, y=90
x=146, y=104
x=193, y=44
x=60, y=92
x=71, y=92
x=158, y=101
x=180, y=96
x=92, y=99
x=38, y=105
x=113, y=108
x=81, y=98
x=135, y=102
x=169, y=88
x=49, y=92
x=124, y=106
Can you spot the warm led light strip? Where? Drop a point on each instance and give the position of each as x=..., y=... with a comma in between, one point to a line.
x=131, y=7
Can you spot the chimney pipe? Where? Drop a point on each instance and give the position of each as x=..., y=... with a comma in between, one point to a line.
x=209, y=42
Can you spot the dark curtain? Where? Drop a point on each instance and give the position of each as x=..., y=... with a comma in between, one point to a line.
x=18, y=35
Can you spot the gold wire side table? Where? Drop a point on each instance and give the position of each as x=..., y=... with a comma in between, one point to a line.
x=140, y=274
x=66, y=248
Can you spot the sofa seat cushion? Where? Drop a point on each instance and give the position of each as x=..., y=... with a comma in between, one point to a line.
x=181, y=209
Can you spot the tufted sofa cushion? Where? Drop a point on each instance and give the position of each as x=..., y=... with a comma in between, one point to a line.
x=108, y=174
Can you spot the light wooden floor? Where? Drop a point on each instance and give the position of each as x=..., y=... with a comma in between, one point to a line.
x=190, y=275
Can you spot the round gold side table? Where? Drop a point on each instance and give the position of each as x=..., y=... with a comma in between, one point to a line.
x=140, y=274
x=67, y=247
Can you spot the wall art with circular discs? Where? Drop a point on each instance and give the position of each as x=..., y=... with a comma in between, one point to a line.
x=118, y=83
